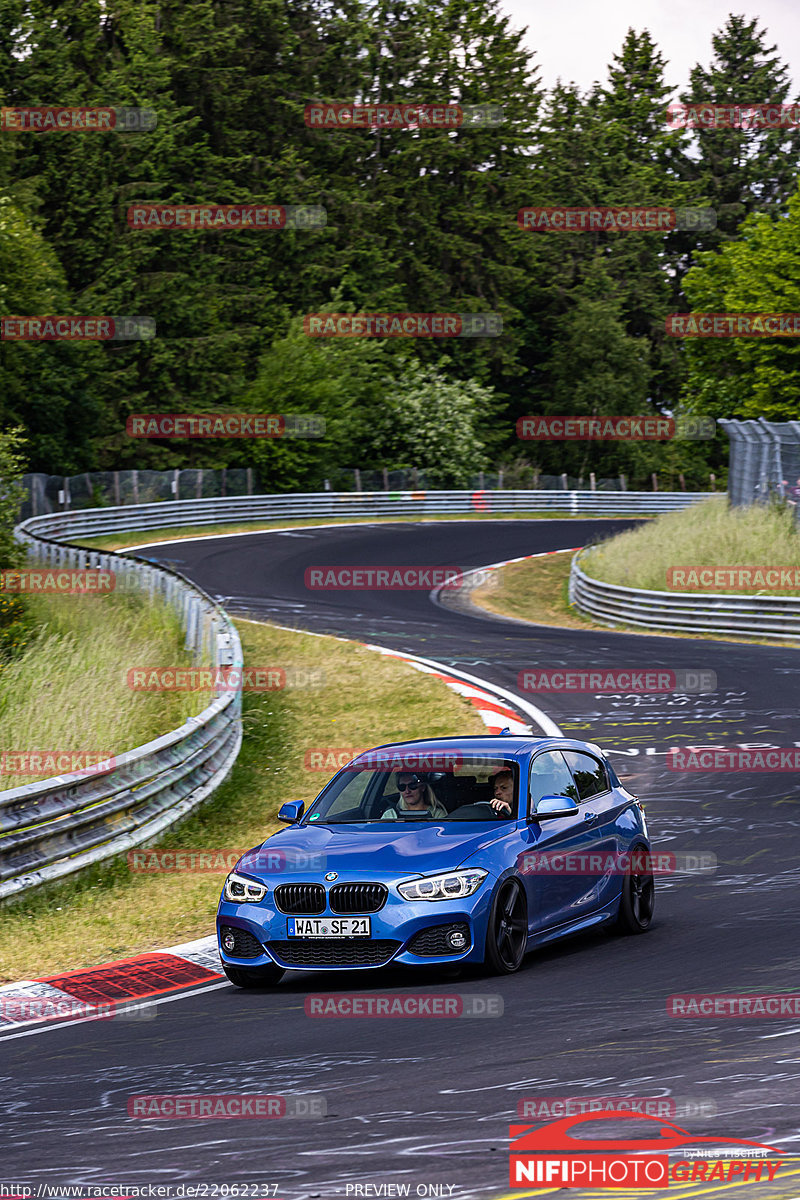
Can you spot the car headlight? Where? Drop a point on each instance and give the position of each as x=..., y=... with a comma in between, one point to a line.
x=453, y=885
x=242, y=890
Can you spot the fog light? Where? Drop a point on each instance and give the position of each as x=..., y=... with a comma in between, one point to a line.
x=229, y=942
x=457, y=939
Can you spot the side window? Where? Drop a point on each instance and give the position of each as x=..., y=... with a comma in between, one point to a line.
x=590, y=775
x=550, y=776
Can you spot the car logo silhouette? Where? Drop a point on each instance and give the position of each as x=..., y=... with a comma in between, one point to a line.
x=556, y=1137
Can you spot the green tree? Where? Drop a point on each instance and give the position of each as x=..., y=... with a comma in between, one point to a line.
x=12, y=465
x=341, y=380
x=430, y=422
x=743, y=170
x=759, y=272
x=49, y=388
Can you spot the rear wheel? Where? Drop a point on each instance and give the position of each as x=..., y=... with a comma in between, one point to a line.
x=638, y=894
x=255, y=977
x=507, y=932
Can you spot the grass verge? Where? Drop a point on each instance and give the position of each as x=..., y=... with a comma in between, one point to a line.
x=709, y=534
x=109, y=912
x=537, y=590
x=534, y=590
x=67, y=690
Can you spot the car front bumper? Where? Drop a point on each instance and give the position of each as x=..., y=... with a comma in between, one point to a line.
x=411, y=932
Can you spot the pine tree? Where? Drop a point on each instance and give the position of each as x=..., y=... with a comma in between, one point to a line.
x=741, y=170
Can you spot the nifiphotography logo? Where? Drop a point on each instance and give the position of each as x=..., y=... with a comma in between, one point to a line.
x=554, y=1155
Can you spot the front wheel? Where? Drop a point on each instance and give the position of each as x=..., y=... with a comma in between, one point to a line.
x=638, y=895
x=507, y=931
x=257, y=977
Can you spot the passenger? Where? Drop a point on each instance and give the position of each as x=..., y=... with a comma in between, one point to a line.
x=503, y=786
x=415, y=797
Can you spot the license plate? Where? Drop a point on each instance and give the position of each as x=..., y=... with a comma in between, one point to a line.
x=332, y=927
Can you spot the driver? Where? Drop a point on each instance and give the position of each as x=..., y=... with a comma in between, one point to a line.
x=503, y=786
x=415, y=797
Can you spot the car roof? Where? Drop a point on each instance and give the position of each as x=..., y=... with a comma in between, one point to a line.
x=495, y=744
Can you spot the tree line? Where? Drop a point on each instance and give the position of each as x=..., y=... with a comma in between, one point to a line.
x=418, y=221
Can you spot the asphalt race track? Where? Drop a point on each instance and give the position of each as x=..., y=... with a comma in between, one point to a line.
x=424, y=1102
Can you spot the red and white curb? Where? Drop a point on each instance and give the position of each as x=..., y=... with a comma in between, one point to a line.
x=498, y=708
x=121, y=989
x=113, y=990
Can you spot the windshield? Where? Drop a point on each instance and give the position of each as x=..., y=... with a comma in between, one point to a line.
x=376, y=789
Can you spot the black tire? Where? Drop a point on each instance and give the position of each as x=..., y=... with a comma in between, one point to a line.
x=638, y=895
x=507, y=930
x=258, y=977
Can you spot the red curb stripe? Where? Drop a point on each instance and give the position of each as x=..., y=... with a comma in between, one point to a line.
x=131, y=978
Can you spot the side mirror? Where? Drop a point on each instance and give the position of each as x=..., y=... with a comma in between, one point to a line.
x=291, y=811
x=554, y=806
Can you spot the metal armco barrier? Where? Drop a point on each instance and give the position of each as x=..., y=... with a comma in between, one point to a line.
x=53, y=828
x=93, y=522
x=749, y=616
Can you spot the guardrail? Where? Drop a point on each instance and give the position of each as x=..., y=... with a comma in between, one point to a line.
x=93, y=522
x=744, y=616
x=55, y=827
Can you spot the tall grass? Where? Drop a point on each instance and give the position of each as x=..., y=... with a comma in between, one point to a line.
x=67, y=690
x=708, y=534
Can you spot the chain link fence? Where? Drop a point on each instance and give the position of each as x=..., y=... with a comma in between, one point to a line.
x=101, y=489
x=764, y=461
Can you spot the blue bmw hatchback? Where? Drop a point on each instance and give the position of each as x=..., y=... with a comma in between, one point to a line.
x=448, y=850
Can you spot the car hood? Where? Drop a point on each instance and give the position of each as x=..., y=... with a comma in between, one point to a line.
x=383, y=850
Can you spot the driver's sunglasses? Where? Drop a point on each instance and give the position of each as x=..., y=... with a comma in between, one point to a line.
x=403, y=787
